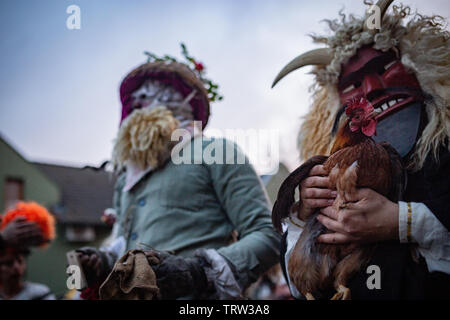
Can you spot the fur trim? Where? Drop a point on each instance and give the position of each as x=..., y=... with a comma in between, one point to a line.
x=424, y=45
x=144, y=137
x=32, y=211
x=314, y=137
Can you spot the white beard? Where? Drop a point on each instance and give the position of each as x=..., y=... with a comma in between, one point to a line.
x=144, y=139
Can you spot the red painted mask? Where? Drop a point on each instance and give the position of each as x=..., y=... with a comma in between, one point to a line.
x=380, y=78
x=393, y=91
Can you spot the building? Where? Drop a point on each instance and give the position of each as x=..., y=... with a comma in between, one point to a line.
x=22, y=180
x=76, y=197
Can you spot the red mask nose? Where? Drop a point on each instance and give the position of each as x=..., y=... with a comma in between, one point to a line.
x=372, y=82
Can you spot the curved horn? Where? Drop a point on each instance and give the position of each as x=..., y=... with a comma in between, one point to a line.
x=383, y=5
x=321, y=56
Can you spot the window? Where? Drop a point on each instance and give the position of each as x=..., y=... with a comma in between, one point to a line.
x=76, y=233
x=13, y=192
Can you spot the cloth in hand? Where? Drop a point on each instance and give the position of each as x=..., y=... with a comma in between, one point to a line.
x=132, y=278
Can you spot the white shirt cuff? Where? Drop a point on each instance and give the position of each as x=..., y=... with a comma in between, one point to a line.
x=294, y=227
x=428, y=232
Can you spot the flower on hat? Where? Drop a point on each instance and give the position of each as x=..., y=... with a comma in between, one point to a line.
x=197, y=67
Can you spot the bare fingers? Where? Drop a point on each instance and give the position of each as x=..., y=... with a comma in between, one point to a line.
x=340, y=233
x=331, y=224
x=336, y=238
x=318, y=193
x=330, y=212
x=318, y=170
x=316, y=182
x=317, y=203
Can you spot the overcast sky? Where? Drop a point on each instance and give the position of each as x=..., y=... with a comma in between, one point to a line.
x=59, y=99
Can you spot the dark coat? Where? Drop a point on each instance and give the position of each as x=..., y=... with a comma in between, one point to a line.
x=401, y=277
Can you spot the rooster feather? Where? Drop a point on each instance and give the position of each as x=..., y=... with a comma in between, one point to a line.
x=356, y=161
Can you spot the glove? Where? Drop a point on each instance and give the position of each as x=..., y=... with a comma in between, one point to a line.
x=177, y=276
x=96, y=264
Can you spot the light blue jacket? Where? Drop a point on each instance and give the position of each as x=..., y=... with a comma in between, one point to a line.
x=184, y=207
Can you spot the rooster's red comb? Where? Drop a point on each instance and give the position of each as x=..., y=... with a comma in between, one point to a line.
x=360, y=112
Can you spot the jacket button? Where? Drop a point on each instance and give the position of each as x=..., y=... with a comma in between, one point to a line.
x=142, y=202
x=133, y=236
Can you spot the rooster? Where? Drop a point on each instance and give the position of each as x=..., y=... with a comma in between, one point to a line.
x=355, y=161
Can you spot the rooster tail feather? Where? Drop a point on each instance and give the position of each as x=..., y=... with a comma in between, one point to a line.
x=285, y=198
x=311, y=264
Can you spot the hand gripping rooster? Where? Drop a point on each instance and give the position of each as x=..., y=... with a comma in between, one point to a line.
x=356, y=161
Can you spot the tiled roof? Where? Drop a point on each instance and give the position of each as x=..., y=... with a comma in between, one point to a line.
x=85, y=193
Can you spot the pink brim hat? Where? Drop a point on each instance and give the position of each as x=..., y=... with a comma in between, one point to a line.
x=176, y=74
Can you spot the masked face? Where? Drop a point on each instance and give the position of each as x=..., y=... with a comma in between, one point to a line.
x=394, y=92
x=144, y=137
x=154, y=93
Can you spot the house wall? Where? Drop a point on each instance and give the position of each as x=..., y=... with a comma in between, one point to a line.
x=48, y=265
x=37, y=187
x=44, y=265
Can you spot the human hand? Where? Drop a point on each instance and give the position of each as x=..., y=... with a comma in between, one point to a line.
x=369, y=217
x=22, y=233
x=315, y=192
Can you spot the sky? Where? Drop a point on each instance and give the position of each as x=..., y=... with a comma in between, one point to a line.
x=59, y=99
